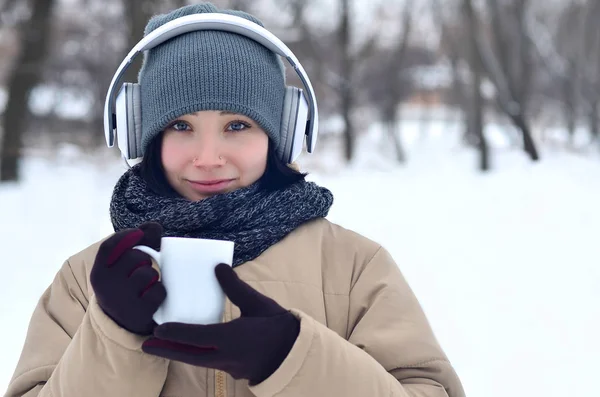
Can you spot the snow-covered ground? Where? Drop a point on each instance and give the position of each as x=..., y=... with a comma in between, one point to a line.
x=504, y=264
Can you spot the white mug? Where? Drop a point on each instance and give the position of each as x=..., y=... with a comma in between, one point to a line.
x=187, y=266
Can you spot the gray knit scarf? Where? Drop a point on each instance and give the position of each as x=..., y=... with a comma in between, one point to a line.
x=252, y=217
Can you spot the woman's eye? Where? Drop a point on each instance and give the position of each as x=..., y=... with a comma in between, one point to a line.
x=238, y=126
x=179, y=126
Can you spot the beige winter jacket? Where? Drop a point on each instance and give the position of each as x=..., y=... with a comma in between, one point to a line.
x=363, y=333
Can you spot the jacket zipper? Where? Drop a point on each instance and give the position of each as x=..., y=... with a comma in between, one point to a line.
x=221, y=376
x=220, y=389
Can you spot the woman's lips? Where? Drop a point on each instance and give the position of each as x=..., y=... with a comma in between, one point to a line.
x=210, y=186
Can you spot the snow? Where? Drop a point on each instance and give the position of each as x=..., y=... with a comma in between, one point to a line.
x=505, y=265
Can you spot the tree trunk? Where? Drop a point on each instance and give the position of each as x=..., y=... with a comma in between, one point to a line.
x=393, y=96
x=570, y=122
x=458, y=89
x=510, y=99
x=570, y=100
x=346, y=67
x=26, y=74
x=528, y=143
x=477, y=122
x=392, y=123
x=137, y=14
x=594, y=119
x=476, y=104
x=524, y=79
x=594, y=116
x=397, y=142
x=459, y=92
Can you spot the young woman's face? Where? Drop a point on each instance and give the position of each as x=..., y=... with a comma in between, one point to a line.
x=213, y=152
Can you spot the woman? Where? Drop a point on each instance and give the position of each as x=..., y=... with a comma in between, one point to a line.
x=321, y=310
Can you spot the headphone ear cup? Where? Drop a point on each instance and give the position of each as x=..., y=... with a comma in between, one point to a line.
x=122, y=125
x=288, y=124
x=134, y=117
x=300, y=134
x=129, y=123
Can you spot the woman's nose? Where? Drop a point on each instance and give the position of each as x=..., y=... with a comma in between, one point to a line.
x=207, y=152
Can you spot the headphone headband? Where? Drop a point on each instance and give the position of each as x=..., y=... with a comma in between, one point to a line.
x=220, y=22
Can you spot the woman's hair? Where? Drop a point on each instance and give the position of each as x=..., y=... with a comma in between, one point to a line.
x=278, y=175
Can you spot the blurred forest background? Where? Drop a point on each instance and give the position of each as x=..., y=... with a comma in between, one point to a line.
x=462, y=135
x=532, y=66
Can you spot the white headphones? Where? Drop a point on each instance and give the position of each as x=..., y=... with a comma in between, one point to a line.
x=123, y=113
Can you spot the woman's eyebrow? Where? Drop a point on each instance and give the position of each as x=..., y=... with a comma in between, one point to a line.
x=226, y=112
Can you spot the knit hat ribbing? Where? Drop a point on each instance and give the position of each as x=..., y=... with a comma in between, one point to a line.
x=209, y=70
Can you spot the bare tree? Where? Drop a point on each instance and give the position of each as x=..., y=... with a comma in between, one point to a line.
x=346, y=72
x=395, y=84
x=571, y=78
x=554, y=38
x=451, y=37
x=137, y=15
x=25, y=75
x=591, y=58
x=476, y=101
x=569, y=73
x=320, y=52
x=569, y=54
x=509, y=76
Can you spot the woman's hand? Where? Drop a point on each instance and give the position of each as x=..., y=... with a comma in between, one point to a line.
x=251, y=347
x=126, y=286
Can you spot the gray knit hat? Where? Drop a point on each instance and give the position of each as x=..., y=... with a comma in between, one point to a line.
x=209, y=70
